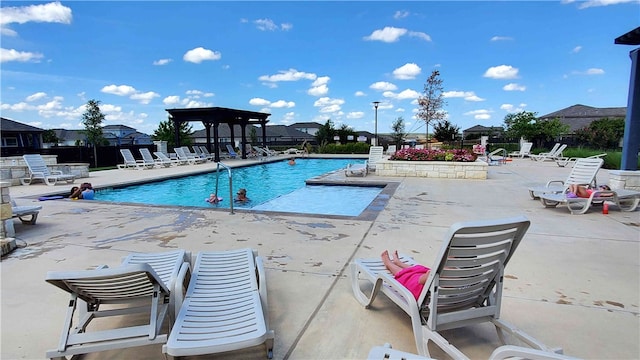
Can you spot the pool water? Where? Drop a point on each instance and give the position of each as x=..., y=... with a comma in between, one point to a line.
x=275, y=186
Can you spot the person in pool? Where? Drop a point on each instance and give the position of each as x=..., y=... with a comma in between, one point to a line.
x=85, y=191
x=242, y=196
x=213, y=199
x=292, y=161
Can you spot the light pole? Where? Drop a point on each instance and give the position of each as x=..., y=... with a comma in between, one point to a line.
x=375, y=104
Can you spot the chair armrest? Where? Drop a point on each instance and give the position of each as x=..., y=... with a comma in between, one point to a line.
x=561, y=182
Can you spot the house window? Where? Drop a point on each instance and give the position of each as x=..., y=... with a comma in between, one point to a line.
x=10, y=141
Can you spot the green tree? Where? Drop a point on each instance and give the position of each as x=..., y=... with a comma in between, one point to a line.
x=602, y=134
x=445, y=131
x=325, y=133
x=166, y=132
x=525, y=124
x=49, y=136
x=432, y=101
x=92, y=119
x=344, y=131
x=253, y=136
x=398, y=132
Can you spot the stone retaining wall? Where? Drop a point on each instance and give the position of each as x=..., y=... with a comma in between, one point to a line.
x=433, y=169
x=624, y=179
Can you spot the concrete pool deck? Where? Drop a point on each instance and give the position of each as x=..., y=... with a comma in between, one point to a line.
x=574, y=282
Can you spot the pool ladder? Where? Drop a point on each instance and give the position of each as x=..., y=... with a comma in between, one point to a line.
x=230, y=183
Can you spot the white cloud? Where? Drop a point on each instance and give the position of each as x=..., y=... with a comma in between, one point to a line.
x=36, y=96
x=265, y=25
x=324, y=101
x=283, y=104
x=420, y=35
x=321, y=80
x=595, y=71
x=481, y=114
x=403, y=95
x=597, y=3
x=512, y=108
x=401, y=14
x=400, y=110
x=53, y=12
x=466, y=95
x=19, y=107
x=407, y=71
x=21, y=56
x=514, y=87
x=576, y=49
x=144, y=98
x=259, y=102
x=359, y=93
x=162, y=62
x=501, y=38
x=286, y=26
x=383, y=86
x=389, y=34
x=120, y=90
x=201, y=54
x=318, y=90
x=330, y=109
x=355, y=115
x=502, y=72
x=288, y=75
x=171, y=100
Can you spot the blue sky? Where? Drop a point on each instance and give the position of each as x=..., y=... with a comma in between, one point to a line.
x=310, y=61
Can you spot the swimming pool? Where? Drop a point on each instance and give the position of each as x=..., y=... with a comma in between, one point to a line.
x=274, y=186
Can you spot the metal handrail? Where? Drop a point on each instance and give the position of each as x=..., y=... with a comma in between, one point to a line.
x=230, y=183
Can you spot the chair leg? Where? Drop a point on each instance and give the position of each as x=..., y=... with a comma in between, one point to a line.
x=31, y=221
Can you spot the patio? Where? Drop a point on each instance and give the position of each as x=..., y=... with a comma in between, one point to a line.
x=574, y=281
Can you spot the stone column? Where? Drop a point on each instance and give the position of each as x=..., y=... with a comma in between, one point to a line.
x=7, y=232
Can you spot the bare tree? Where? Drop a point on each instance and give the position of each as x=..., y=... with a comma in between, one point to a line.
x=432, y=101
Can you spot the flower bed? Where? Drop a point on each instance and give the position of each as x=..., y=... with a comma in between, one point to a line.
x=460, y=155
x=440, y=164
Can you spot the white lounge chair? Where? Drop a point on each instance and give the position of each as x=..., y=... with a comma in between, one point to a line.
x=497, y=157
x=22, y=211
x=232, y=153
x=225, y=308
x=391, y=150
x=130, y=162
x=147, y=158
x=584, y=172
x=133, y=289
x=525, y=150
x=187, y=157
x=463, y=287
x=564, y=161
x=38, y=170
x=554, y=154
x=624, y=199
x=163, y=159
x=376, y=154
x=206, y=154
x=502, y=353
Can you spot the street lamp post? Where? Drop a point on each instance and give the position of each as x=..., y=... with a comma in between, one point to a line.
x=375, y=104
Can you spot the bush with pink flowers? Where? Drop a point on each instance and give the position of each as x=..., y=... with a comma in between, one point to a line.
x=461, y=155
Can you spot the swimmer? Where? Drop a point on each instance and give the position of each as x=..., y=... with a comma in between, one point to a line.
x=213, y=199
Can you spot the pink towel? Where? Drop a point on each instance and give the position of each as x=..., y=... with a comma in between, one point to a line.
x=409, y=277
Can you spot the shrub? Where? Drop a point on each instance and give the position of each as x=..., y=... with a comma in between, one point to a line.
x=462, y=155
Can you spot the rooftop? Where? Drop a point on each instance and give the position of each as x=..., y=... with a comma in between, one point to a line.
x=574, y=281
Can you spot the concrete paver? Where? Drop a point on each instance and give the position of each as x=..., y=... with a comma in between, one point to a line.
x=574, y=282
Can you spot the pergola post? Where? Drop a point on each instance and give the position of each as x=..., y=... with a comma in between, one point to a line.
x=216, y=143
x=243, y=139
x=631, y=139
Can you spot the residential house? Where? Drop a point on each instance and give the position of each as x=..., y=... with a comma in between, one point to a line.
x=124, y=135
x=19, y=138
x=579, y=116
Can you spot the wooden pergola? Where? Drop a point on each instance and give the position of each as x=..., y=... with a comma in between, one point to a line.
x=211, y=117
